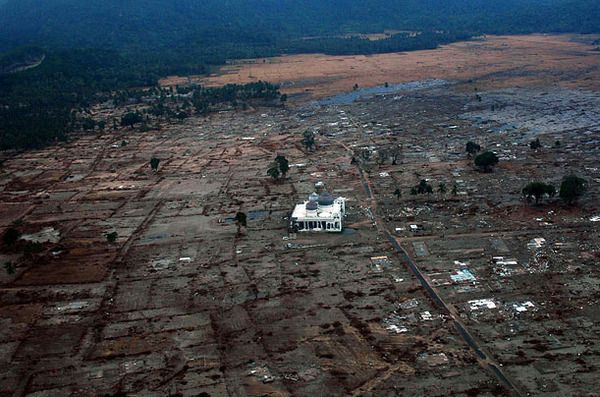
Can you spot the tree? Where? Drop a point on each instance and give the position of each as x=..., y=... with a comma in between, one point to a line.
x=571, y=188
x=442, y=188
x=154, y=162
x=240, y=220
x=365, y=154
x=283, y=163
x=309, y=140
x=381, y=156
x=10, y=268
x=11, y=235
x=283, y=98
x=454, y=190
x=131, y=118
x=273, y=171
x=112, y=237
x=538, y=190
x=486, y=161
x=535, y=145
x=279, y=167
x=395, y=153
x=472, y=148
x=88, y=123
x=422, y=188
x=398, y=193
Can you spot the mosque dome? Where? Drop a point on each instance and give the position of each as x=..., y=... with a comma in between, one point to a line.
x=325, y=199
x=311, y=206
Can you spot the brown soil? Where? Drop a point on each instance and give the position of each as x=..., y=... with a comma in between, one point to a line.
x=500, y=61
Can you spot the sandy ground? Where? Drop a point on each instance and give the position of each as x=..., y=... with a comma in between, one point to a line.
x=501, y=61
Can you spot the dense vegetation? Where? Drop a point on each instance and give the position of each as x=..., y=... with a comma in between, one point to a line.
x=147, y=24
x=90, y=48
x=36, y=105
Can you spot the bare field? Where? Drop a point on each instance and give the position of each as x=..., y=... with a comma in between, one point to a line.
x=499, y=61
x=467, y=291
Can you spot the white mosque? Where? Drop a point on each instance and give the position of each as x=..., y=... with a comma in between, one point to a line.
x=321, y=213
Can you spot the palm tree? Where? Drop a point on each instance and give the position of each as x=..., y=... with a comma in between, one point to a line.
x=154, y=163
x=309, y=140
x=283, y=163
x=240, y=220
x=273, y=171
x=442, y=188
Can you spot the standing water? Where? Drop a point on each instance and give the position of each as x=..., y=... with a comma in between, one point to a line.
x=346, y=98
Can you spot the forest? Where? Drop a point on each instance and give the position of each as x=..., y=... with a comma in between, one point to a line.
x=86, y=49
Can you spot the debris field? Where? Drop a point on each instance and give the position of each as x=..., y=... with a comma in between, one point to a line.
x=467, y=291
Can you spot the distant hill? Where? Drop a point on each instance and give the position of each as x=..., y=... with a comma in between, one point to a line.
x=144, y=24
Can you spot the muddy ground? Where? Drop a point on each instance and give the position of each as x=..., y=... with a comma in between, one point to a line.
x=492, y=61
x=180, y=305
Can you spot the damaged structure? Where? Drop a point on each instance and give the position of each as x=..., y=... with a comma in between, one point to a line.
x=320, y=213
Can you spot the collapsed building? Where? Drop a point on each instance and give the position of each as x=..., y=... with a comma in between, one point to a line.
x=320, y=213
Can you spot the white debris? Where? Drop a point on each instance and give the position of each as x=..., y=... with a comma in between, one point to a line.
x=537, y=242
x=161, y=264
x=462, y=275
x=479, y=304
x=379, y=262
x=46, y=235
x=262, y=373
x=426, y=316
x=523, y=307
x=132, y=366
x=396, y=329
x=409, y=304
x=434, y=359
x=393, y=324
x=71, y=306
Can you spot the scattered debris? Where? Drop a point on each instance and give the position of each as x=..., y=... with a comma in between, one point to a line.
x=478, y=304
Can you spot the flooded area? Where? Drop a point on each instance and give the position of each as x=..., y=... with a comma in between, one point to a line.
x=347, y=98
